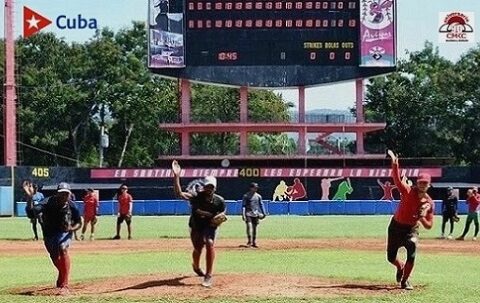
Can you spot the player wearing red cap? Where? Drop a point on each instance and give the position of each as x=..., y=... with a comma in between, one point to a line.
x=415, y=208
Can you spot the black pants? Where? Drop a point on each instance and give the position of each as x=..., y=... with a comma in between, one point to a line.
x=401, y=235
x=201, y=235
x=446, y=217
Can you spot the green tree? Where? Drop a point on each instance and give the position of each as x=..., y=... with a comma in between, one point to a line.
x=52, y=107
x=216, y=104
x=134, y=99
x=413, y=103
x=465, y=99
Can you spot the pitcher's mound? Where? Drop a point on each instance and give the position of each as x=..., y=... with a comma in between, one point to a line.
x=224, y=285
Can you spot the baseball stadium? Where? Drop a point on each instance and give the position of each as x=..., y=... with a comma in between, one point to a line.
x=239, y=151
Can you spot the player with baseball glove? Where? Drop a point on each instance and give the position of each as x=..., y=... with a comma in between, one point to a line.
x=253, y=211
x=415, y=208
x=60, y=219
x=207, y=213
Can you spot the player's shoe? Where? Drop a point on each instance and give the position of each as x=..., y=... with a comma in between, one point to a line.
x=198, y=271
x=442, y=236
x=450, y=237
x=92, y=237
x=82, y=237
x=254, y=245
x=64, y=291
x=474, y=239
x=207, y=281
x=117, y=237
x=461, y=238
x=399, y=274
x=406, y=285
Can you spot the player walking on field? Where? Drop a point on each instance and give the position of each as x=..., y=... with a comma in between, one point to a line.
x=125, y=206
x=449, y=212
x=207, y=213
x=415, y=208
x=252, y=211
x=90, y=205
x=60, y=218
x=473, y=200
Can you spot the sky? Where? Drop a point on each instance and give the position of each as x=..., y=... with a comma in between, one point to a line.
x=417, y=22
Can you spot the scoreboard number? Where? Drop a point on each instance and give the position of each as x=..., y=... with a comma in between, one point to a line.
x=41, y=172
x=249, y=172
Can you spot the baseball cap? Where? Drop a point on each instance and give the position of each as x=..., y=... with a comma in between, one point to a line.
x=64, y=187
x=449, y=188
x=423, y=177
x=253, y=184
x=210, y=180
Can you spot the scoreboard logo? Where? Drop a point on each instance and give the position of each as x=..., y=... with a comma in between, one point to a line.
x=33, y=22
x=377, y=33
x=456, y=27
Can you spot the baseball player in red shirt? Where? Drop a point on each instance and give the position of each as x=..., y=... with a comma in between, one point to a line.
x=473, y=201
x=125, y=205
x=415, y=208
x=90, y=211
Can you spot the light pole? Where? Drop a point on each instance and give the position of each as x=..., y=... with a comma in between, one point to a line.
x=104, y=140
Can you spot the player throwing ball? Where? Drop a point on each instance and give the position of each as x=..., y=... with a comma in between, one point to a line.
x=415, y=208
x=207, y=213
x=60, y=219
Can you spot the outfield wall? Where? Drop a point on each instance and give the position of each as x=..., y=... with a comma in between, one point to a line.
x=302, y=208
x=148, y=190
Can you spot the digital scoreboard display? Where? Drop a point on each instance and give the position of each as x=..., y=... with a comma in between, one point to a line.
x=272, y=32
x=271, y=43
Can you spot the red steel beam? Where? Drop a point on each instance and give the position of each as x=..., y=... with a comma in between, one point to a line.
x=10, y=111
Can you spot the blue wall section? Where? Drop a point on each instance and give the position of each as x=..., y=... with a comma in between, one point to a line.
x=6, y=201
x=298, y=208
x=312, y=207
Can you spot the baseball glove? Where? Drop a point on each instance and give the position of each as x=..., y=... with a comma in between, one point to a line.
x=423, y=210
x=218, y=219
x=66, y=216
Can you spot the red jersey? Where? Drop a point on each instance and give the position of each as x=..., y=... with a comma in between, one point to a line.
x=124, y=201
x=409, y=207
x=90, y=205
x=473, y=203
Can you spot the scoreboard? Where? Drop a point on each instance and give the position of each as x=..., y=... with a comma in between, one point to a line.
x=271, y=43
x=274, y=32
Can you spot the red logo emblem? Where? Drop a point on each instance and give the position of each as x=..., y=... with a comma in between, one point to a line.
x=33, y=22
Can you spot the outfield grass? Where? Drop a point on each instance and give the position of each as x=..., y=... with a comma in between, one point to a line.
x=446, y=277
